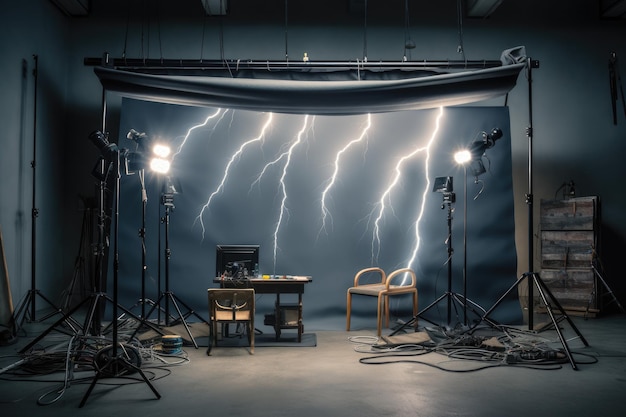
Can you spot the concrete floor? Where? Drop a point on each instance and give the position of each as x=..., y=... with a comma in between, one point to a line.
x=329, y=380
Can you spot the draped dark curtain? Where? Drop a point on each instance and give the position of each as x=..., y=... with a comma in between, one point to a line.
x=321, y=92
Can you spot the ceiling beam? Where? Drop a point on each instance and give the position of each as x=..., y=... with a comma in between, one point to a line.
x=482, y=8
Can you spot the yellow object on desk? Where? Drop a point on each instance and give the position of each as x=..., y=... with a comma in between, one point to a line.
x=266, y=277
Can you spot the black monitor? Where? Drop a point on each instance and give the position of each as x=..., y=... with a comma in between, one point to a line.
x=236, y=261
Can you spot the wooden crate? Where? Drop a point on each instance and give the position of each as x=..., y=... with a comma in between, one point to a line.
x=569, y=243
x=573, y=288
x=567, y=249
x=573, y=214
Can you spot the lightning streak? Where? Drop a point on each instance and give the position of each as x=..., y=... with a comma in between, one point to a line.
x=333, y=178
x=233, y=158
x=283, y=189
x=191, y=129
x=426, y=189
x=396, y=179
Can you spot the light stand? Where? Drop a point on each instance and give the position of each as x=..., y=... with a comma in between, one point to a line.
x=168, y=296
x=534, y=280
x=93, y=318
x=27, y=307
x=142, y=234
x=443, y=185
x=113, y=360
x=467, y=300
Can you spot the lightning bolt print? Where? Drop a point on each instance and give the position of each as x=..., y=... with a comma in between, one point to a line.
x=360, y=138
x=234, y=157
x=426, y=188
x=385, y=198
x=283, y=212
x=191, y=129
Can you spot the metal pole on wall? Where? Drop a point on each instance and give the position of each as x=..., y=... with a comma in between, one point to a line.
x=529, y=195
x=28, y=305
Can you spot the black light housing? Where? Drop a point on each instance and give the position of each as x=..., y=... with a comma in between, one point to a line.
x=108, y=150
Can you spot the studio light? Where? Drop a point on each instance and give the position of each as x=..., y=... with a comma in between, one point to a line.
x=160, y=162
x=463, y=156
x=472, y=156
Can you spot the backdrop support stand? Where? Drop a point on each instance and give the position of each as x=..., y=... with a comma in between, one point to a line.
x=534, y=280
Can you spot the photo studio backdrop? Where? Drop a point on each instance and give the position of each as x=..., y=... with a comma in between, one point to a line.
x=325, y=196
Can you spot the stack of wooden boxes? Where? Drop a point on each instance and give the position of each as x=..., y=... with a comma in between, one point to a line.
x=569, y=244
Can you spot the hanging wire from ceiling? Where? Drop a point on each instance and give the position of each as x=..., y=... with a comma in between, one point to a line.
x=365, y=32
x=459, y=11
x=158, y=22
x=126, y=33
x=408, y=42
x=216, y=14
x=221, y=36
x=145, y=29
x=204, y=22
x=287, y=30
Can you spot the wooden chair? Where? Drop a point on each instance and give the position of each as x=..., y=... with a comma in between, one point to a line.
x=231, y=305
x=387, y=286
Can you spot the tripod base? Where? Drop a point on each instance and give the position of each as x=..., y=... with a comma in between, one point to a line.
x=548, y=300
x=110, y=363
x=449, y=297
x=169, y=297
x=91, y=325
x=26, y=308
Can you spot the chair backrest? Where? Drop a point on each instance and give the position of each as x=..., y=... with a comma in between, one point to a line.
x=229, y=304
x=399, y=277
x=370, y=275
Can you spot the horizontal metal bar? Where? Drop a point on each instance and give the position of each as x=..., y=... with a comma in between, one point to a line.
x=233, y=65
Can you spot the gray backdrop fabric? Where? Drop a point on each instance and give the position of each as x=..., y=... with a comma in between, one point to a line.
x=384, y=161
x=320, y=92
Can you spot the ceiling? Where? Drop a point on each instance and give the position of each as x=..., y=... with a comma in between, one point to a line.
x=305, y=11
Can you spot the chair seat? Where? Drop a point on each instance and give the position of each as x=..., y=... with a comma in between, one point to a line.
x=228, y=315
x=382, y=290
x=375, y=289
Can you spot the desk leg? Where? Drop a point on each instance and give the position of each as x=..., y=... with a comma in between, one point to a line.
x=277, y=312
x=300, y=326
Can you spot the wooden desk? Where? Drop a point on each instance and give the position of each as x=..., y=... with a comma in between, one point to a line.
x=286, y=315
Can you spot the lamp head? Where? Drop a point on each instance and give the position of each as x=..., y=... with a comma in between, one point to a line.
x=491, y=137
x=108, y=150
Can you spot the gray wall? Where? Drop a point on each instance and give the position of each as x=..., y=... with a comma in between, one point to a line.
x=574, y=137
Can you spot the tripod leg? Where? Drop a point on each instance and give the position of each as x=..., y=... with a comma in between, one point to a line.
x=542, y=286
x=91, y=387
x=113, y=364
x=540, y=290
x=492, y=322
x=608, y=290
x=189, y=309
x=52, y=327
x=182, y=319
x=414, y=319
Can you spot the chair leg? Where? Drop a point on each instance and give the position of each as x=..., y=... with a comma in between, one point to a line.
x=379, y=318
x=348, y=310
x=386, y=301
x=415, y=310
x=251, y=336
